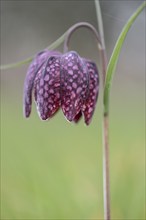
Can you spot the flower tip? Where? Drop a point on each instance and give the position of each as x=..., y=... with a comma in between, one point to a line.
x=78, y=117
x=87, y=123
x=26, y=115
x=44, y=119
x=27, y=111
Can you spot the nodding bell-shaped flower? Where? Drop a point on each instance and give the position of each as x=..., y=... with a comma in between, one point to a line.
x=62, y=80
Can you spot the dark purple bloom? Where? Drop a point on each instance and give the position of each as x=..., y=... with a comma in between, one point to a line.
x=32, y=72
x=67, y=81
x=47, y=88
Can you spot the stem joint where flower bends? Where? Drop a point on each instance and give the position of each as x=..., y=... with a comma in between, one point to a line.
x=101, y=44
x=72, y=29
x=64, y=38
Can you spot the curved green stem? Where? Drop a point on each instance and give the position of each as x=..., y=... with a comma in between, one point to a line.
x=13, y=65
x=72, y=29
x=65, y=37
x=54, y=45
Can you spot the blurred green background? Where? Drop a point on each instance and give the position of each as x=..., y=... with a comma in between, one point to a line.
x=53, y=170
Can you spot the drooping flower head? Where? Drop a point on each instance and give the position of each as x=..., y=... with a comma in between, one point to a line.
x=62, y=80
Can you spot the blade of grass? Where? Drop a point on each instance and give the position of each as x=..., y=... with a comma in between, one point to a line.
x=115, y=55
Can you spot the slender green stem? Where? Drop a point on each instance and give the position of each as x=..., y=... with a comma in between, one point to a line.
x=18, y=64
x=106, y=173
x=101, y=33
x=107, y=80
x=106, y=176
x=100, y=23
x=54, y=45
x=65, y=37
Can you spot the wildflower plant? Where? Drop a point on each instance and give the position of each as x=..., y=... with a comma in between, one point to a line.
x=67, y=81
x=62, y=80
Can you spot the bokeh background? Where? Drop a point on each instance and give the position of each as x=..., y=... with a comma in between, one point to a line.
x=53, y=169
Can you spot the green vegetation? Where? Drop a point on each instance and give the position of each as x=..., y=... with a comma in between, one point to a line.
x=54, y=169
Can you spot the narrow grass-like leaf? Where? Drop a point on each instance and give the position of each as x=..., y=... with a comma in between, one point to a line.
x=115, y=55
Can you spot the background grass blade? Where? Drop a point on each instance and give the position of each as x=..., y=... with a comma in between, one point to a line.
x=115, y=55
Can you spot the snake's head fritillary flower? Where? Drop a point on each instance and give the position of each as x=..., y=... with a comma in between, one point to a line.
x=67, y=81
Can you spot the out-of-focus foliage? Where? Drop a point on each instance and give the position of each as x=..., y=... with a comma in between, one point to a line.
x=54, y=169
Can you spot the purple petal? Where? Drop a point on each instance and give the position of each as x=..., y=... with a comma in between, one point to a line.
x=30, y=77
x=29, y=80
x=74, y=84
x=77, y=117
x=89, y=105
x=47, y=88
